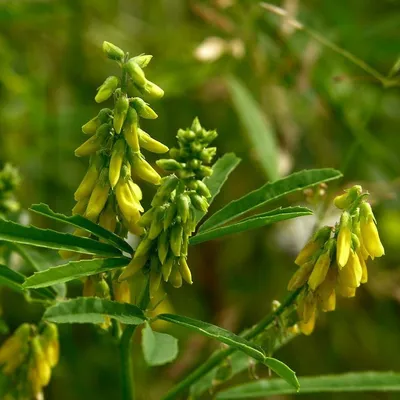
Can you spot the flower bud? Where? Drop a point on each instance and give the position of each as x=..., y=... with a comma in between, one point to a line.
x=204, y=171
x=120, y=112
x=186, y=136
x=91, y=126
x=131, y=129
x=14, y=343
x=208, y=154
x=175, y=277
x=307, y=328
x=155, y=277
x=170, y=215
x=146, y=218
x=135, y=72
x=185, y=270
x=175, y=239
x=142, y=60
x=167, y=186
x=144, y=247
x=113, y=52
x=196, y=126
x=95, y=143
x=157, y=224
x=150, y=144
x=99, y=196
x=108, y=218
x=163, y=246
x=202, y=189
x=136, y=264
x=117, y=158
x=369, y=232
x=143, y=109
x=169, y=164
x=106, y=90
x=301, y=276
x=144, y=169
x=153, y=90
x=183, y=205
x=39, y=363
x=167, y=266
x=50, y=344
x=199, y=202
x=343, y=240
x=122, y=291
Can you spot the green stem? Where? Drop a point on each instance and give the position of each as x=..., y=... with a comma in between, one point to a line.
x=219, y=356
x=125, y=347
x=386, y=82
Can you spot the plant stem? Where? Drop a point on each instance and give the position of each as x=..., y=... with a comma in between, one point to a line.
x=219, y=356
x=125, y=347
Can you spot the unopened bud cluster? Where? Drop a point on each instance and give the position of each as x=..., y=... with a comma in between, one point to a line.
x=27, y=358
x=9, y=180
x=334, y=260
x=107, y=194
x=171, y=220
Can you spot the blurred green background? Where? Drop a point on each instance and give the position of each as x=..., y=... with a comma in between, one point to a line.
x=322, y=110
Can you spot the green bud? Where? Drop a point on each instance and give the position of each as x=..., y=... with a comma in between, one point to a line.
x=199, y=202
x=196, y=147
x=157, y=224
x=196, y=127
x=120, y=111
x=186, y=136
x=175, y=239
x=91, y=126
x=170, y=215
x=143, y=109
x=194, y=163
x=113, y=52
x=144, y=247
x=163, y=246
x=183, y=205
x=174, y=153
x=146, y=218
x=210, y=136
x=204, y=171
x=202, y=189
x=208, y=154
x=185, y=270
x=135, y=72
x=106, y=90
x=142, y=60
x=155, y=278
x=167, y=186
x=167, y=266
x=152, y=90
x=104, y=115
x=95, y=143
x=169, y=164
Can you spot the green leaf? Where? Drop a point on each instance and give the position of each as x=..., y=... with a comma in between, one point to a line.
x=74, y=270
x=11, y=278
x=257, y=126
x=352, y=382
x=270, y=217
x=222, y=168
x=14, y=281
x=268, y=192
x=81, y=222
x=16, y=233
x=235, y=341
x=158, y=348
x=93, y=310
x=39, y=262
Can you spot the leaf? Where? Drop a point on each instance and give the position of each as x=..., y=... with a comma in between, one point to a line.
x=81, y=222
x=268, y=192
x=39, y=262
x=270, y=217
x=16, y=233
x=74, y=270
x=14, y=281
x=222, y=168
x=11, y=278
x=259, y=129
x=352, y=382
x=158, y=348
x=92, y=310
x=235, y=341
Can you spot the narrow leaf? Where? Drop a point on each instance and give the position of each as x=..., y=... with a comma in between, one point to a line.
x=93, y=310
x=235, y=341
x=222, y=168
x=74, y=270
x=81, y=222
x=268, y=192
x=11, y=278
x=352, y=382
x=257, y=126
x=16, y=233
x=257, y=221
x=39, y=262
x=158, y=348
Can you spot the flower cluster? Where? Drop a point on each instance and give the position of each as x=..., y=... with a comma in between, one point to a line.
x=334, y=260
x=107, y=194
x=171, y=220
x=27, y=358
x=9, y=180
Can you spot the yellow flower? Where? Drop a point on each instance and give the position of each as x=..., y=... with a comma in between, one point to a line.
x=369, y=232
x=350, y=275
x=320, y=270
x=301, y=276
x=343, y=240
x=312, y=246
